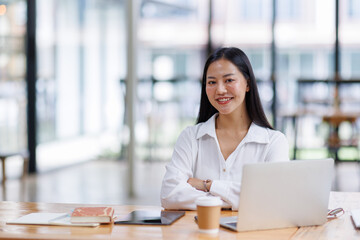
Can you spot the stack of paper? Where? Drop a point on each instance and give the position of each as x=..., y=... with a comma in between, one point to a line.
x=57, y=219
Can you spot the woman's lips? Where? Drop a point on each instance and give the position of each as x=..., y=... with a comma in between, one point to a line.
x=223, y=100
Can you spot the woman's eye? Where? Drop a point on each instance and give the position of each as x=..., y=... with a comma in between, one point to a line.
x=211, y=82
x=229, y=80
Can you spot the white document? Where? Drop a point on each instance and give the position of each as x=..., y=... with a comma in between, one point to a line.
x=56, y=219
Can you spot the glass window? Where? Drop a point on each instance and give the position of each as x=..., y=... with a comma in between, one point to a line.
x=168, y=9
x=304, y=41
x=284, y=64
x=303, y=45
x=355, y=64
x=288, y=9
x=331, y=63
x=13, y=99
x=349, y=38
x=306, y=64
x=171, y=56
x=353, y=9
x=257, y=60
x=81, y=59
x=254, y=10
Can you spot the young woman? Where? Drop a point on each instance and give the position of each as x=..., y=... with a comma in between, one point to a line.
x=231, y=130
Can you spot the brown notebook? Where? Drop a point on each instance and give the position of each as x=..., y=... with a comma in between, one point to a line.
x=92, y=215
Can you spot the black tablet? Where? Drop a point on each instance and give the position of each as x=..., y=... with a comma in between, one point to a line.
x=145, y=217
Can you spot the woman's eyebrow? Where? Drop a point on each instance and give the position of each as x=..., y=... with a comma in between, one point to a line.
x=228, y=74
x=224, y=76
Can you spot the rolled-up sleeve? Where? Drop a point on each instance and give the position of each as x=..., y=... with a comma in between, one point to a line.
x=176, y=193
x=229, y=192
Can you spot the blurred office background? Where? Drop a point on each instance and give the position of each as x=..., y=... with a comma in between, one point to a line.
x=77, y=123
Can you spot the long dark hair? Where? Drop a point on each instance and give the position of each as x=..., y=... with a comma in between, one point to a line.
x=252, y=99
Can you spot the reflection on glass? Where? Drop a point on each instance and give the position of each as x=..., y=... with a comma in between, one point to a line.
x=12, y=76
x=163, y=68
x=304, y=39
x=81, y=52
x=172, y=36
x=168, y=9
x=81, y=59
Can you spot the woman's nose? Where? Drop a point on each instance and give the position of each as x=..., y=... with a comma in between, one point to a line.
x=221, y=89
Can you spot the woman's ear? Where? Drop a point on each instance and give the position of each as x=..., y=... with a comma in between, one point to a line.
x=247, y=86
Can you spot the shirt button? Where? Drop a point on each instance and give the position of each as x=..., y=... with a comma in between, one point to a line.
x=224, y=169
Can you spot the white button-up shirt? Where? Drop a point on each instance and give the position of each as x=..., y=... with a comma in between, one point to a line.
x=197, y=154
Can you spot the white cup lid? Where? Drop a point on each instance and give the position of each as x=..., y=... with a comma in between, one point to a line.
x=208, y=201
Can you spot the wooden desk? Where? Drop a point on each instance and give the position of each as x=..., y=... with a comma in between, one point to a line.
x=185, y=228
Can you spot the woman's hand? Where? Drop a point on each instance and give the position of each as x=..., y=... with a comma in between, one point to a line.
x=199, y=184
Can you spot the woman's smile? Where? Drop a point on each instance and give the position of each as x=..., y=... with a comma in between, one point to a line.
x=224, y=100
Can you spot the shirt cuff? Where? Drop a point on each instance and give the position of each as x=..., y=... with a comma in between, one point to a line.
x=220, y=188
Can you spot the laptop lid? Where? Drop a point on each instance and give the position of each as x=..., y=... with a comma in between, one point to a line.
x=284, y=194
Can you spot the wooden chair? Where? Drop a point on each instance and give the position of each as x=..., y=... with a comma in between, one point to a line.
x=4, y=156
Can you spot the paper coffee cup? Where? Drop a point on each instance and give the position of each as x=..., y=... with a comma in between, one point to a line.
x=208, y=212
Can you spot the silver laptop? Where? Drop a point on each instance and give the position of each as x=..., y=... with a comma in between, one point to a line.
x=283, y=194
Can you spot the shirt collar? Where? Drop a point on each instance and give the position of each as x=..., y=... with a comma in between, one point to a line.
x=207, y=128
x=255, y=134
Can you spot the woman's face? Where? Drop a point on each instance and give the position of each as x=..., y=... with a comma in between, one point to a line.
x=226, y=87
